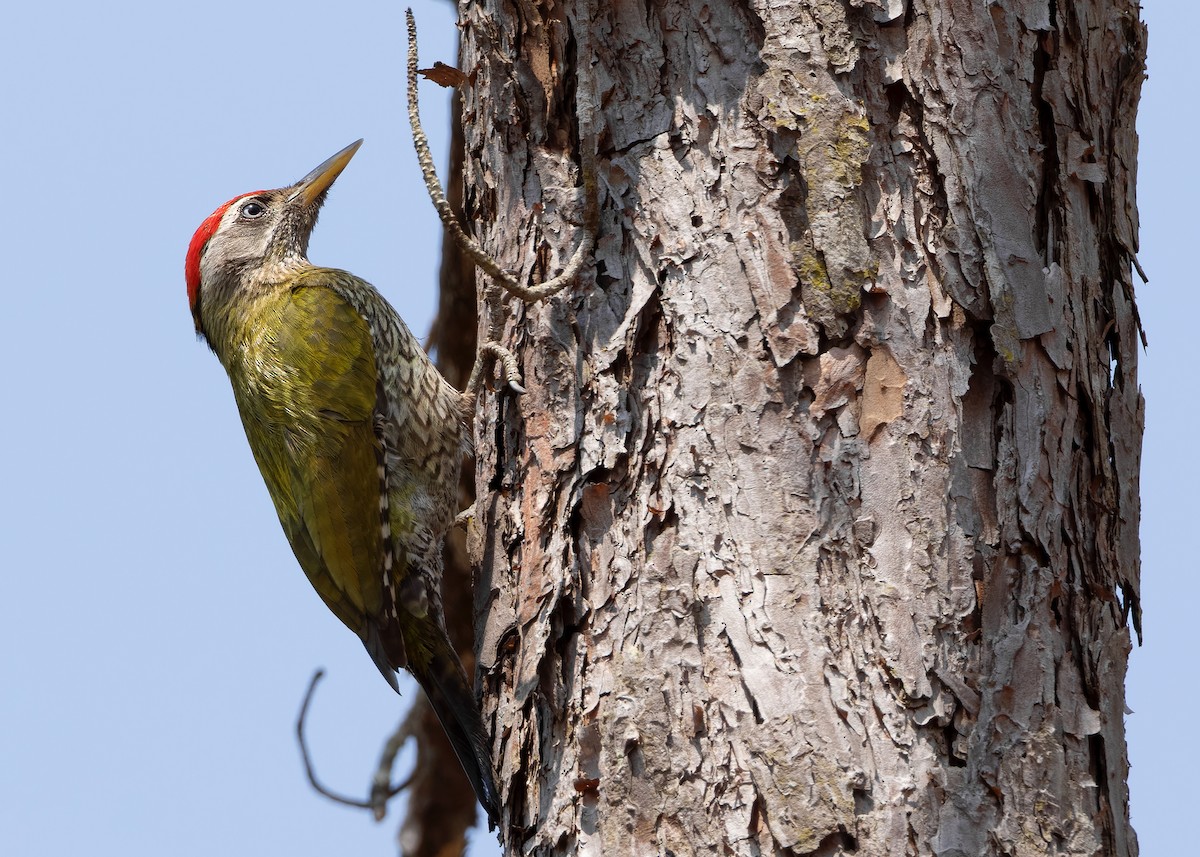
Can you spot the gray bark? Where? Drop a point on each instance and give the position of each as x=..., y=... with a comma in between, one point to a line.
x=817, y=529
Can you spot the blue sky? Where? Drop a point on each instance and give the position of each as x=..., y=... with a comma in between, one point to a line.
x=155, y=633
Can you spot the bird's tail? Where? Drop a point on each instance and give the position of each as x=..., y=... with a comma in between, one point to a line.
x=444, y=681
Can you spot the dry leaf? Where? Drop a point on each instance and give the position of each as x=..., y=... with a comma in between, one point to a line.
x=444, y=75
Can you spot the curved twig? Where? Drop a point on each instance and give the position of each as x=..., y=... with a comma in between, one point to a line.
x=308, y=766
x=380, y=794
x=468, y=244
x=382, y=789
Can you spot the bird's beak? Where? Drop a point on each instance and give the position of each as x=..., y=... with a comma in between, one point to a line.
x=309, y=188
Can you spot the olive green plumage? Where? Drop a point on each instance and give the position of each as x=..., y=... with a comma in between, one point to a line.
x=358, y=437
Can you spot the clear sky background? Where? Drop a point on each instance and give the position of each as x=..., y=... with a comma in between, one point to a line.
x=156, y=634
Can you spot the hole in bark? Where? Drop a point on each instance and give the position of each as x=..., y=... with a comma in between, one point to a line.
x=863, y=802
x=838, y=842
x=568, y=130
x=637, y=761
x=1047, y=210
x=603, y=280
x=950, y=734
x=697, y=220
x=897, y=96
x=1087, y=417
x=878, y=302
x=825, y=341
x=1098, y=764
x=843, y=839
x=679, y=148
x=507, y=436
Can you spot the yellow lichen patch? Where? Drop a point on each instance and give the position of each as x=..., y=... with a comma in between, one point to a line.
x=850, y=150
x=842, y=291
x=847, y=295
x=812, y=271
x=867, y=275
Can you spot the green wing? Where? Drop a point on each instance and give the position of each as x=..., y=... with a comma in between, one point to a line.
x=310, y=419
x=306, y=381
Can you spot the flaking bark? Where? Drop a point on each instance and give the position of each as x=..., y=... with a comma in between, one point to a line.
x=816, y=531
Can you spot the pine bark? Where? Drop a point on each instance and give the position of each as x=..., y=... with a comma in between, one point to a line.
x=816, y=531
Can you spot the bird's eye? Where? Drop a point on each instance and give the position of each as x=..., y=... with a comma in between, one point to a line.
x=252, y=209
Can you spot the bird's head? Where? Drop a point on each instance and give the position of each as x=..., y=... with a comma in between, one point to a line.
x=257, y=236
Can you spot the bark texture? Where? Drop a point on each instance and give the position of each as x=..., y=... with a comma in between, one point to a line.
x=817, y=530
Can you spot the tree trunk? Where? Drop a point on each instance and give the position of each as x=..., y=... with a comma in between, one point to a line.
x=817, y=529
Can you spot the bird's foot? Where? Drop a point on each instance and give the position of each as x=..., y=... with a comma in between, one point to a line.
x=463, y=518
x=494, y=352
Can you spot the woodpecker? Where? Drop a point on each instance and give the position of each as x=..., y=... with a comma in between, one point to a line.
x=358, y=437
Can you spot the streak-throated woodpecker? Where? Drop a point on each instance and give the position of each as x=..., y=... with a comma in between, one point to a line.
x=358, y=436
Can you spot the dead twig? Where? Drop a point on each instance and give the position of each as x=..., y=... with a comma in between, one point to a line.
x=381, y=789
x=469, y=245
